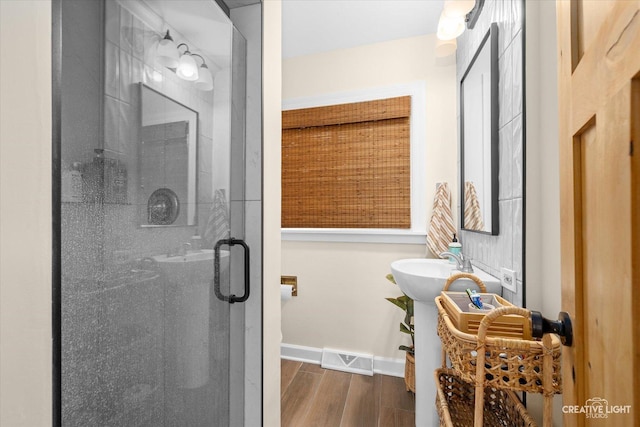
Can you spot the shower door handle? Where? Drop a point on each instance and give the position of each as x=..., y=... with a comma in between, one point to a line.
x=216, y=275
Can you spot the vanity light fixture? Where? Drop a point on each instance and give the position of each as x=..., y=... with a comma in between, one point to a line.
x=445, y=47
x=474, y=14
x=452, y=24
x=184, y=64
x=167, y=53
x=450, y=27
x=205, y=81
x=187, y=67
x=458, y=8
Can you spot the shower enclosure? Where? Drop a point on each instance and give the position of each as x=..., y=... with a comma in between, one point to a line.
x=152, y=214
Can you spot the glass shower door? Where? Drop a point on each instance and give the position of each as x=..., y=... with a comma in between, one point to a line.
x=152, y=164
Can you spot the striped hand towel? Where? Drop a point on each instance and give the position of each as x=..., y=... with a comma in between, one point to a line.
x=472, y=213
x=441, y=227
x=218, y=225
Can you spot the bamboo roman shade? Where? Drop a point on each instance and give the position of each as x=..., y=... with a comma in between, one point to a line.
x=347, y=166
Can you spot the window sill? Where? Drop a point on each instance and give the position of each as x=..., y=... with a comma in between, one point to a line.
x=354, y=235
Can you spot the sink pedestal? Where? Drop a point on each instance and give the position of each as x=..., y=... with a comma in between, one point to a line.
x=188, y=287
x=422, y=279
x=428, y=358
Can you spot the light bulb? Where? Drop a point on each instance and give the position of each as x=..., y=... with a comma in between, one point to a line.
x=450, y=28
x=458, y=8
x=187, y=68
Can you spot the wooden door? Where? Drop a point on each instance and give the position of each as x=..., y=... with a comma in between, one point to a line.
x=599, y=83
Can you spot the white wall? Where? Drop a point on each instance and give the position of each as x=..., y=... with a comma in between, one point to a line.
x=25, y=214
x=342, y=286
x=542, y=169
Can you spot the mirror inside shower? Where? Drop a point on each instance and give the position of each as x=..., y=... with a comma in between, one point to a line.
x=167, y=150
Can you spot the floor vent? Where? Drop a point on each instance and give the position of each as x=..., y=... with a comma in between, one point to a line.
x=346, y=361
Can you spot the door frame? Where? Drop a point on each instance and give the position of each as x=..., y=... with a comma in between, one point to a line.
x=56, y=210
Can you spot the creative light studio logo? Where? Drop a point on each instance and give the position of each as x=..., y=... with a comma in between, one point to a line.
x=596, y=407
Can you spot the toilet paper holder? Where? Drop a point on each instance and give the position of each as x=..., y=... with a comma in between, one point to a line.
x=290, y=280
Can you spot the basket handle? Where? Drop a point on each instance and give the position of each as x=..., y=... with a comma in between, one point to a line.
x=480, y=361
x=457, y=276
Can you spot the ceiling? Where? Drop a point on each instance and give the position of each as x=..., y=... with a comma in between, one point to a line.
x=314, y=26
x=308, y=26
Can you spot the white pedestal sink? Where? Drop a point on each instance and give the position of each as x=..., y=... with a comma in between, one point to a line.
x=423, y=279
x=189, y=276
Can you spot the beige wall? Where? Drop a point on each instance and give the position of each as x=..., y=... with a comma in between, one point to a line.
x=25, y=213
x=542, y=169
x=342, y=286
x=271, y=83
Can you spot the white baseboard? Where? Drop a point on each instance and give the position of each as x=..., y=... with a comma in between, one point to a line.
x=388, y=366
x=301, y=353
x=381, y=365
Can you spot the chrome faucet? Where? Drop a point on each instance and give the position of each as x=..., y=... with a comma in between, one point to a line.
x=462, y=263
x=185, y=248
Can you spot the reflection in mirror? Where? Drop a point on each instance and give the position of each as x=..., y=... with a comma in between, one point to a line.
x=167, y=153
x=479, y=138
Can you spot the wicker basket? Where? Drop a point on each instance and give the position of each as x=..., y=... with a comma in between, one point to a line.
x=514, y=364
x=410, y=373
x=455, y=404
x=463, y=320
x=456, y=305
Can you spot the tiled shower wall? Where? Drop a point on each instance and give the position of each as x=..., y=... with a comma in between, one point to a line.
x=491, y=253
x=128, y=60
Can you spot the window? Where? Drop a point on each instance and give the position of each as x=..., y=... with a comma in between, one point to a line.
x=351, y=171
x=347, y=166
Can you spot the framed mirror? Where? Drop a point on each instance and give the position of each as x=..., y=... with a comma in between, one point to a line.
x=167, y=159
x=479, y=138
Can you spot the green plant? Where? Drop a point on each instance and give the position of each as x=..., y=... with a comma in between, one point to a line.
x=406, y=304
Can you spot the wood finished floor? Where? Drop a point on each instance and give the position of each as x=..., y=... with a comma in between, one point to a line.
x=316, y=397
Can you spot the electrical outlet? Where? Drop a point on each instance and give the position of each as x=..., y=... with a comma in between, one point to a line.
x=508, y=279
